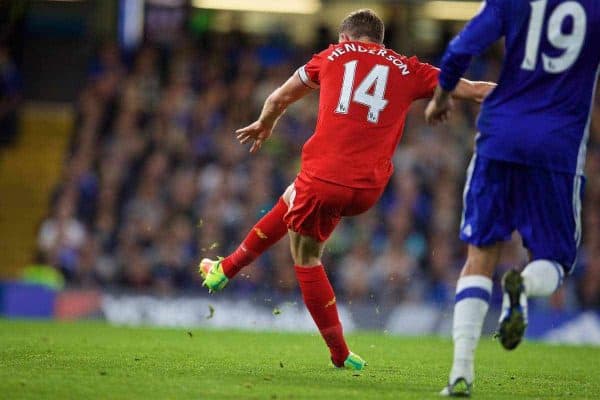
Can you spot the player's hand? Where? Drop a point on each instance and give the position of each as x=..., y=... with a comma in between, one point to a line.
x=257, y=132
x=436, y=113
x=439, y=108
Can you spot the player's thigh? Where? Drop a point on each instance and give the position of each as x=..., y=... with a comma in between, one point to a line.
x=315, y=207
x=361, y=201
x=486, y=217
x=550, y=214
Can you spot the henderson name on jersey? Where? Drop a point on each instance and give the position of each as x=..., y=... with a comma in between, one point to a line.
x=366, y=91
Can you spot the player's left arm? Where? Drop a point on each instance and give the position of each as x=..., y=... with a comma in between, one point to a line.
x=483, y=30
x=475, y=91
x=440, y=106
x=274, y=107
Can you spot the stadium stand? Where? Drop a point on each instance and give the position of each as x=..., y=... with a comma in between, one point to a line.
x=154, y=180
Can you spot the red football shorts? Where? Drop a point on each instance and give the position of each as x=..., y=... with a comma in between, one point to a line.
x=316, y=206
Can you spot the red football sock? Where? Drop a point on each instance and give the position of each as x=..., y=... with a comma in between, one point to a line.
x=319, y=298
x=268, y=231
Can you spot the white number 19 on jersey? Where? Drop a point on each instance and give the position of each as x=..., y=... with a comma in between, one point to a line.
x=378, y=77
x=571, y=42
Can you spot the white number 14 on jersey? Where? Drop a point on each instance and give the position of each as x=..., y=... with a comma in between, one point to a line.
x=376, y=77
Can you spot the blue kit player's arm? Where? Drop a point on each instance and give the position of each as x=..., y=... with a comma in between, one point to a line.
x=483, y=30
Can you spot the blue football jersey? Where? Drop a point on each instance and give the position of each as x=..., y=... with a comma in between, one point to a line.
x=540, y=112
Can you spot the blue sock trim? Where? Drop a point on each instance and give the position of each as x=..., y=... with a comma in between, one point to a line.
x=561, y=273
x=473, y=293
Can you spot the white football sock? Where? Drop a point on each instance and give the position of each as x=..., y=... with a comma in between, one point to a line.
x=542, y=277
x=472, y=301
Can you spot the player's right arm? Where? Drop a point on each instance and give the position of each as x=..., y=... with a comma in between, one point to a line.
x=274, y=107
x=304, y=81
x=483, y=30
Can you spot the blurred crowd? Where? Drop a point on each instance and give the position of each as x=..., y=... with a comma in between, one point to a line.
x=155, y=180
x=10, y=97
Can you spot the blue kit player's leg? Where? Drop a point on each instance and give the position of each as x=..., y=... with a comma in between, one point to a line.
x=486, y=223
x=548, y=217
x=486, y=217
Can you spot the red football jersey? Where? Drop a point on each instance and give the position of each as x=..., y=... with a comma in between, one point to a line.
x=366, y=91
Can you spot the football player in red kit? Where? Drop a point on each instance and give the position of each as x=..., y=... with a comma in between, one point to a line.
x=365, y=93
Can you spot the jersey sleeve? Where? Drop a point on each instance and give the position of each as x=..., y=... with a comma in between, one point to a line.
x=483, y=30
x=426, y=79
x=310, y=72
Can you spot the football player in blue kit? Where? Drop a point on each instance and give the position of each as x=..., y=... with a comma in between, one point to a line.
x=526, y=173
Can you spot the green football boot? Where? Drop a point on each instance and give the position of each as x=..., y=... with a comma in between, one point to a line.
x=353, y=362
x=212, y=272
x=459, y=388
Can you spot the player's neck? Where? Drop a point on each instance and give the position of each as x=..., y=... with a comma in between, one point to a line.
x=363, y=39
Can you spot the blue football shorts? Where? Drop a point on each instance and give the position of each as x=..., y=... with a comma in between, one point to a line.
x=542, y=205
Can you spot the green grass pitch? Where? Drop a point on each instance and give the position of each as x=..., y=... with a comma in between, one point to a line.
x=92, y=360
